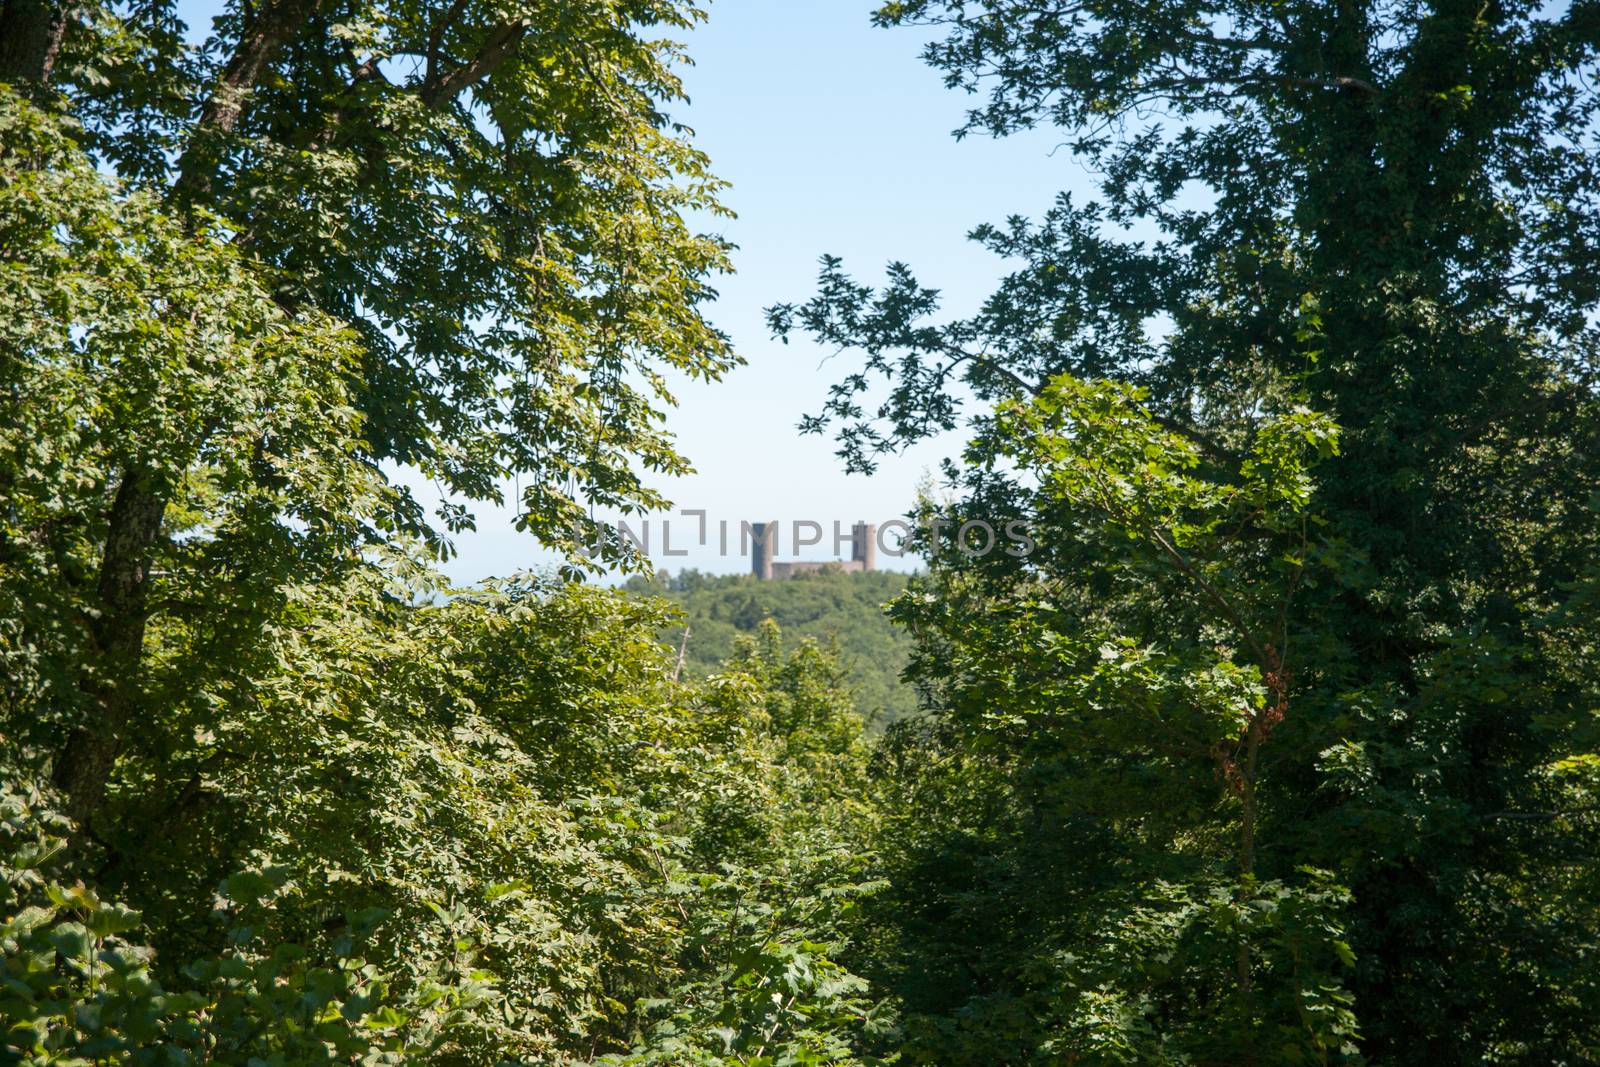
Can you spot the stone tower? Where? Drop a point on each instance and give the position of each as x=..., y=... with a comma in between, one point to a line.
x=864, y=545
x=762, y=544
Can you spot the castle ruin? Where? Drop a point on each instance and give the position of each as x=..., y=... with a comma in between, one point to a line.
x=764, y=544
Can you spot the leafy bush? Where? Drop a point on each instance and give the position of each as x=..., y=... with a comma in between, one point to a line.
x=79, y=985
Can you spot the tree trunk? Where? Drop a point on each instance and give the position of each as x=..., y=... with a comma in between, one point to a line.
x=1247, y=838
x=30, y=38
x=272, y=28
x=84, y=765
x=1247, y=871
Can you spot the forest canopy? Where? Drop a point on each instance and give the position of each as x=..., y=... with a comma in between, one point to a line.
x=843, y=612
x=1281, y=747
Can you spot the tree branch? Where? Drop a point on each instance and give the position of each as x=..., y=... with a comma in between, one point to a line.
x=279, y=22
x=1221, y=602
x=1536, y=815
x=1233, y=43
x=436, y=34
x=498, y=46
x=1196, y=81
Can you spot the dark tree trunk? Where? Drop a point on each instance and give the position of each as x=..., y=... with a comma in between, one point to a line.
x=84, y=766
x=271, y=29
x=30, y=38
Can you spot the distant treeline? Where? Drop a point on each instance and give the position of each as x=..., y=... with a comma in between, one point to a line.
x=834, y=607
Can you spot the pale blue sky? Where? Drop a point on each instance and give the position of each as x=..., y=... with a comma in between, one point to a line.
x=836, y=138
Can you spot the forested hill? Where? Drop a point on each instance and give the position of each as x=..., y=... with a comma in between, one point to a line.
x=831, y=606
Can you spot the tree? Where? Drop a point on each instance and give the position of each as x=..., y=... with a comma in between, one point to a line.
x=133, y=341
x=768, y=987
x=486, y=830
x=490, y=200
x=1383, y=214
x=280, y=795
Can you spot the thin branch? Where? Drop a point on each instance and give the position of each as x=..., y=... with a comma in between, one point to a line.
x=1221, y=602
x=960, y=355
x=1234, y=43
x=436, y=36
x=1189, y=433
x=683, y=650
x=1335, y=81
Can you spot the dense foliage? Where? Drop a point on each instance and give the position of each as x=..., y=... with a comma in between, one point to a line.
x=272, y=794
x=457, y=229
x=842, y=611
x=490, y=830
x=1281, y=749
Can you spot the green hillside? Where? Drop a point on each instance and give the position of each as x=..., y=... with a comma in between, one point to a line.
x=831, y=606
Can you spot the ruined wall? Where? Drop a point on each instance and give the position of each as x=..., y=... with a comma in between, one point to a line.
x=763, y=543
